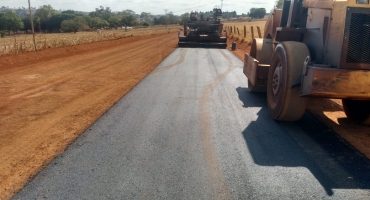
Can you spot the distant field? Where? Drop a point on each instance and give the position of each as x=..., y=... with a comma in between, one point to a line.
x=240, y=26
x=24, y=42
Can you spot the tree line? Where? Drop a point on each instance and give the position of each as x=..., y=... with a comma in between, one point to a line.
x=47, y=19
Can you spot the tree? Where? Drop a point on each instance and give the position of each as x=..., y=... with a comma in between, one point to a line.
x=55, y=21
x=21, y=12
x=155, y=21
x=88, y=20
x=145, y=19
x=43, y=13
x=72, y=12
x=115, y=21
x=10, y=21
x=257, y=12
x=145, y=24
x=279, y=3
x=184, y=18
x=27, y=23
x=99, y=23
x=102, y=13
x=73, y=25
x=172, y=19
x=228, y=15
x=145, y=16
x=129, y=20
x=128, y=12
x=161, y=20
x=69, y=26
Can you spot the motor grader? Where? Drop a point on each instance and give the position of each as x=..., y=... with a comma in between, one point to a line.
x=201, y=31
x=313, y=48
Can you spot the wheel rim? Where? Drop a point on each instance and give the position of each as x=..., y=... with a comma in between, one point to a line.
x=276, y=81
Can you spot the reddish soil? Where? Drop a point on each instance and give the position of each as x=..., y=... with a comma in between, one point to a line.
x=328, y=111
x=50, y=97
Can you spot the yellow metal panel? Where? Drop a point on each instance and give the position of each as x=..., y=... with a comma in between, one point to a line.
x=352, y=3
x=325, y=4
x=333, y=49
x=255, y=72
x=328, y=4
x=250, y=68
x=336, y=83
x=273, y=21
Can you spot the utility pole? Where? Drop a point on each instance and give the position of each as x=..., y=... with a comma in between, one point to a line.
x=33, y=30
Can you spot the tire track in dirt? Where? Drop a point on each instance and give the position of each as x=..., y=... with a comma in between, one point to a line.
x=219, y=184
x=39, y=89
x=49, y=83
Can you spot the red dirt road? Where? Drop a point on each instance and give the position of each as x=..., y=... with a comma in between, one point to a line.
x=49, y=97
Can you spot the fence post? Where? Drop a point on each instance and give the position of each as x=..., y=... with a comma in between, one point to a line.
x=245, y=31
x=231, y=29
x=259, y=32
x=238, y=30
x=234, y=29
x=252, y=32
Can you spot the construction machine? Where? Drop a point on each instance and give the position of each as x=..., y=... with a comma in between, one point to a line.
x=201, y=31
x=313, y=48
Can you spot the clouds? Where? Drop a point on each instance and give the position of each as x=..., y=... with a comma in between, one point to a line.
x=178, y=7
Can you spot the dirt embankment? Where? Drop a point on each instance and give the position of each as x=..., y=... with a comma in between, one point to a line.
x=49, y=97
x=329, y=111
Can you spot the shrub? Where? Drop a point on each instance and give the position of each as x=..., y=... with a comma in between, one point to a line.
x=146, y=24
x=2, y=33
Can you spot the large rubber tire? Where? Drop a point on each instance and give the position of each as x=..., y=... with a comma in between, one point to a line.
x=357, y=110
x=262, y=50
x=286, y=66
x=252, y=88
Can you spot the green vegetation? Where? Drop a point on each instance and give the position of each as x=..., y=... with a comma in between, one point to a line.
x=73, y=25
x=184, y=17
x=2, y=33
x=279, y=3
x=46, y=19
x=10, y=21
x=257, y=13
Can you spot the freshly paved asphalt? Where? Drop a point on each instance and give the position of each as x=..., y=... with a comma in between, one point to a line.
x=191, y=130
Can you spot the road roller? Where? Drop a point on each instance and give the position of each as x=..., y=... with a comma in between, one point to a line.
x=313, y=49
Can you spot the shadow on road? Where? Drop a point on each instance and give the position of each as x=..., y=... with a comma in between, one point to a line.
x=333, y=162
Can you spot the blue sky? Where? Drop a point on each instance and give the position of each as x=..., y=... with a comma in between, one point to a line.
x=178, y=7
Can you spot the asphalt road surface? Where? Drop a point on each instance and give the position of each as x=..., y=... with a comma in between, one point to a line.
x=191, y=130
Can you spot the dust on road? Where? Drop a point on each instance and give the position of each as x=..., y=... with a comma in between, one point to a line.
x=49, y=97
